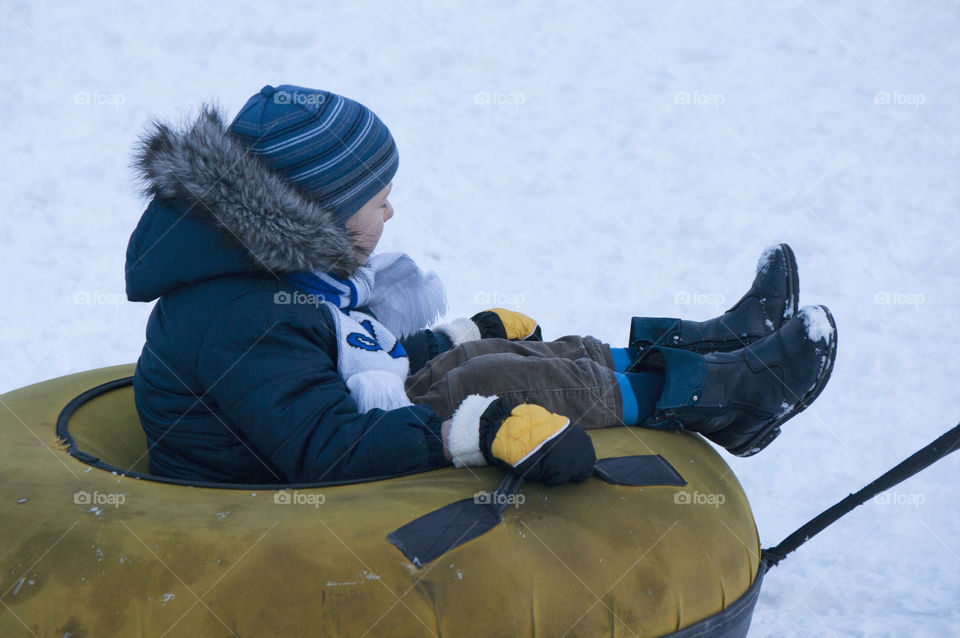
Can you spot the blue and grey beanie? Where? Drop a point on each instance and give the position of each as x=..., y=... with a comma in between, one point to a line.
x=328, y=146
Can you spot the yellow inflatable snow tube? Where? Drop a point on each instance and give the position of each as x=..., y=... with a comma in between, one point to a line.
x=90, y=552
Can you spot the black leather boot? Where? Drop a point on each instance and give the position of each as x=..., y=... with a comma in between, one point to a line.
x=740, y=399
x=771, y=301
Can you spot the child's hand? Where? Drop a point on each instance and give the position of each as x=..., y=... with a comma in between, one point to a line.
x=529, y=440
x=537, y=444
x=506, y=324
x=496, y=323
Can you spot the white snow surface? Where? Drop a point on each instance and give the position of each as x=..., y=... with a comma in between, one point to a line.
x=580, y=162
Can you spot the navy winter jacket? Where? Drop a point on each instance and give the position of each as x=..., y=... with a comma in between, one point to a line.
x=230, y=386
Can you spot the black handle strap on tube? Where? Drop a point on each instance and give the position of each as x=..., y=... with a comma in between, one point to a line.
x=923, y=458
x=432, y=535
x=508, y=487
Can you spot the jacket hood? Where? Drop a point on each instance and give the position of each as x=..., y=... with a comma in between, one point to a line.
x=218, y=210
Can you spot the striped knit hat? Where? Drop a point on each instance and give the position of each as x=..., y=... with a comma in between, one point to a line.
x=330, y=147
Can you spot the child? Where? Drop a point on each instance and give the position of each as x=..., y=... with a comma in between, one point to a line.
x=281, y=349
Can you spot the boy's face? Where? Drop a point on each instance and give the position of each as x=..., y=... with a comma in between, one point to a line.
x=368, y=223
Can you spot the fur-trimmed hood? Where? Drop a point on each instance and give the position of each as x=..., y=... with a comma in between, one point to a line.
x=203, y=179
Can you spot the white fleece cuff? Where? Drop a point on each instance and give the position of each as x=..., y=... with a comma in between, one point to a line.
x=382, y=389
x=459, y=331
x=463, y=441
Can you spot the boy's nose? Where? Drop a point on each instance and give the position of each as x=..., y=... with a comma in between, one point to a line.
x=389, y=213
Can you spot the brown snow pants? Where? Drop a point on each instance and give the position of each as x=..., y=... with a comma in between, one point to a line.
x=572, y=376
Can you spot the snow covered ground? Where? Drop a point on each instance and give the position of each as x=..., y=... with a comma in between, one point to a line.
x=581, y=162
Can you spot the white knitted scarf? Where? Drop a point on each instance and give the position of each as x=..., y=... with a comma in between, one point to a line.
x=371, y=359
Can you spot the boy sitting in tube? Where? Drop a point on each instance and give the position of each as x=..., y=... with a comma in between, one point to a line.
x=283, y=349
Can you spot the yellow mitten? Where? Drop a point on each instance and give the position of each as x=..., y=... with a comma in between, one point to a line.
x=525, y=431
x=506, y=324
x=528, y=440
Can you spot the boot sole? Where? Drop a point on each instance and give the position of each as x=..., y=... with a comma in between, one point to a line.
x=772, y=430
x=793, y=281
